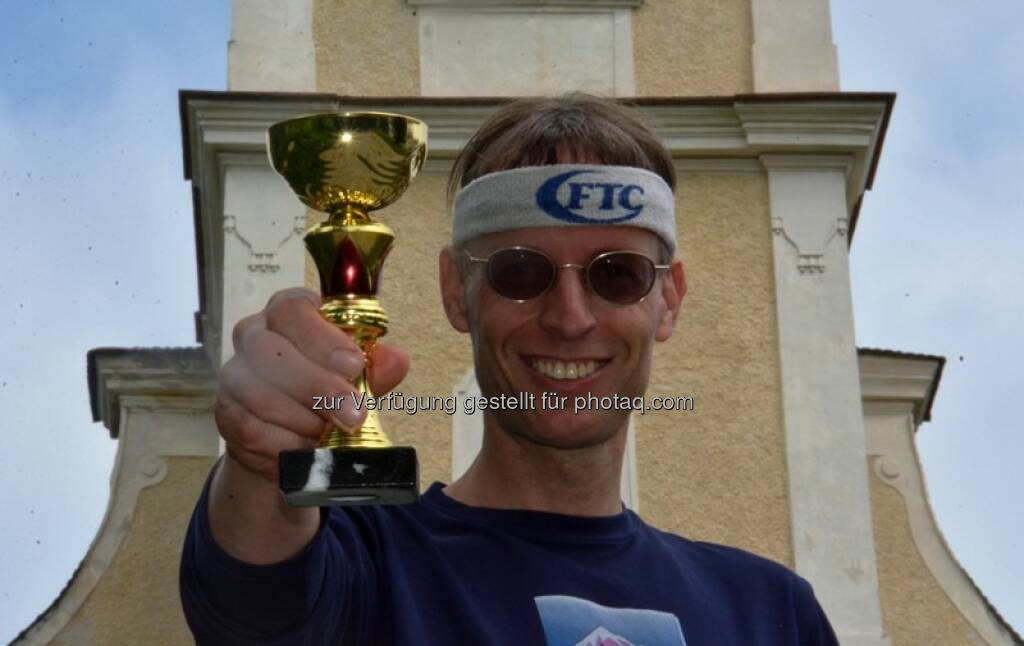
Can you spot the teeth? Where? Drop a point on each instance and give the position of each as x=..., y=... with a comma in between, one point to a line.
x=564, y=369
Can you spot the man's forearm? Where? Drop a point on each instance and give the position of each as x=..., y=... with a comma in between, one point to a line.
x=250, y=520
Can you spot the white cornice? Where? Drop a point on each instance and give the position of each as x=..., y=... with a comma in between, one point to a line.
x=812, y=124
x=807, y=162
x=178, y=377
x=899, y=379
x=743, y=128
x=818, y=128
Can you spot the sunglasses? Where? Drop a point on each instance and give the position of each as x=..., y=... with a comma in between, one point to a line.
x=522, y=274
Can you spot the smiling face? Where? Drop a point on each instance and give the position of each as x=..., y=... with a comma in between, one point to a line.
x=568, y=341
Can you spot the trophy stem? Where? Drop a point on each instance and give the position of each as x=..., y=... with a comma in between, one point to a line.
x=370, y=434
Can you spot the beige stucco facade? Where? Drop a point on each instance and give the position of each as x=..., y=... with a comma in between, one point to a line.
x=917, y=609
x=366, y=48
x=693, y=48
x=720, y=473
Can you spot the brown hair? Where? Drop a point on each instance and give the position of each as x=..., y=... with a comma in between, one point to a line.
x=574, y=128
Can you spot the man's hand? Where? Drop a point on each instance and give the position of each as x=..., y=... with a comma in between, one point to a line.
x=285, y=357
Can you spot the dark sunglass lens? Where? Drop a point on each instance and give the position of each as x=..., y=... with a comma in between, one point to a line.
x=519, y=274
x=621, y=278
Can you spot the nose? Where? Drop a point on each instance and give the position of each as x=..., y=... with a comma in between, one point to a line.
x=567, y=305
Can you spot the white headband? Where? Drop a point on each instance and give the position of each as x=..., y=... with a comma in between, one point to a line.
x=563, y=195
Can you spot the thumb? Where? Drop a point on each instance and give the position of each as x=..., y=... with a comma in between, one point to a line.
x=388, y=366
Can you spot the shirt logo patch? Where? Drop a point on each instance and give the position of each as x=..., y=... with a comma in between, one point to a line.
x=571, y=621
x=589, y=202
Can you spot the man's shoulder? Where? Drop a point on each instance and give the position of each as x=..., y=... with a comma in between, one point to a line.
x=727, y=564
x=761, y=588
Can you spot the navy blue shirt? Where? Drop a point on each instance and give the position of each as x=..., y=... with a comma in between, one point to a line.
x=440, y=572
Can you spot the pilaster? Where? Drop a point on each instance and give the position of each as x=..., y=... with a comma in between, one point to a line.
x=830, y=502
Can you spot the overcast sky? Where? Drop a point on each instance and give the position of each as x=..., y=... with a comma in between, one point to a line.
x=97, y=249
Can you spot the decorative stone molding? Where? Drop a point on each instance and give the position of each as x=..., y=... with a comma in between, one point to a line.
x=794, y=181
x=809, y=263
x=263, y=261
x=158, y=403
x=525, y=47
x=897, y=391
x=468, y=433
x=746, y=127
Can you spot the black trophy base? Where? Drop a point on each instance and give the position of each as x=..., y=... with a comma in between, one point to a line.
x=350, y=476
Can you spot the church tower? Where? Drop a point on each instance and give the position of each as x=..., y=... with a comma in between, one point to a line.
x=799, y=447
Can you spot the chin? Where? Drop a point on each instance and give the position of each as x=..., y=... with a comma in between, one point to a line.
x=567, y=431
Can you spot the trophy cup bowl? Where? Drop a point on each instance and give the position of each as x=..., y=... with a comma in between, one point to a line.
x=347, y=165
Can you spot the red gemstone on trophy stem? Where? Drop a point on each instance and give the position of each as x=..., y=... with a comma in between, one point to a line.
x=350, y=275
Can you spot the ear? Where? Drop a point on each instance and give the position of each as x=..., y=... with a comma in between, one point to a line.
x=673, y=289
x=453, y=292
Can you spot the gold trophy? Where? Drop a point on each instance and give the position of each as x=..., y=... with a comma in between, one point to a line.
x=349, y=164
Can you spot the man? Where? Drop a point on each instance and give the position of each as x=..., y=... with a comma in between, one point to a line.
x=561, y=271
